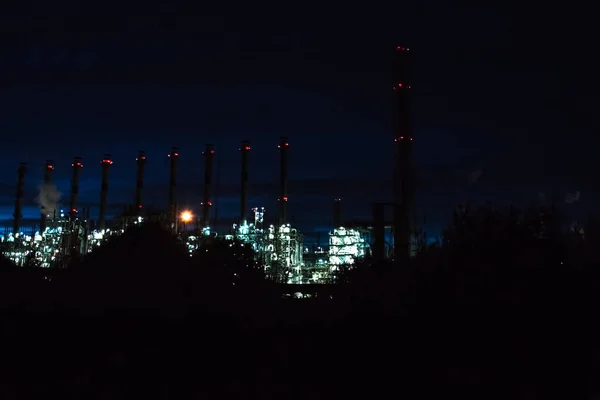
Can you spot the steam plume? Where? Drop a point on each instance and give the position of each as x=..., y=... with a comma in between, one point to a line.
x=48, y=198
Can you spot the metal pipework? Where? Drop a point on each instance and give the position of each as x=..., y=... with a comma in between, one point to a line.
x=18, y=214
x=337, y=213
x=245, y=150
x=283, y=179
x=106, y=163
x=48, y=171
x=76, y=165
x=139, y=183
x=173, y=158
x=208, y=154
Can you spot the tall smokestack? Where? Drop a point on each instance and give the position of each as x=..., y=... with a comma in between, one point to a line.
x=173, y=158
x=208, y=154
x=48, y=170
x=337, y=213
x=139, y=183
x=106, y=163
x=19, y=198
x=283, y=179
x=245, y=149
x=77, y=165
x=378, y=247
x=403, y=174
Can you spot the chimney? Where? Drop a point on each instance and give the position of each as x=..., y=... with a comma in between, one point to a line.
x=337, y=213
x=19, y=198
x=48, y=170
x=173, y=158
x=378, y=247
x=106, y=163
x=245, y=149
x=283, y=179
x=208, y=154
x=403, y=138
x=77, y=165
x=139, y=183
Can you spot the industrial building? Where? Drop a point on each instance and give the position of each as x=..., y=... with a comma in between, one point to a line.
x=64, y=236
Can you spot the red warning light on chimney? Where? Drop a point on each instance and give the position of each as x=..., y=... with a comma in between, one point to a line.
x=106, y=162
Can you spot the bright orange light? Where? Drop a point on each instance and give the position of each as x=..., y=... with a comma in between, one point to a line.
x=186, y=216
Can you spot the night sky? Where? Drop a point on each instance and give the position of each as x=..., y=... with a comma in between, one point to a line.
x=505, y=92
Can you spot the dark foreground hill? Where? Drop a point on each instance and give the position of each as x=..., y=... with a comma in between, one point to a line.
x=129, y=322
x=144, y=269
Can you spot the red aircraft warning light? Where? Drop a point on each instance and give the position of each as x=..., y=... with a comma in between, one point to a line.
x=106, y=161
x=77, y=164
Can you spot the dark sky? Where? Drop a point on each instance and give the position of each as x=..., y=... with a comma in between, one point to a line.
x=506, y=88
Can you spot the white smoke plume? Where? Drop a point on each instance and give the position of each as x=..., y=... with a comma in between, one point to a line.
x=571, y=198
x=48, y=198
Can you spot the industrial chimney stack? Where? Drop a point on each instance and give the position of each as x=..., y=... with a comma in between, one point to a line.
x=77, y=165
x=245, y=149
x=337, y=213
x=208, y=154
x=106, y=163
x=403, y=138
x=19, y=198
x=139, y=183
x=173, y=158
x=283, y=179
x=48, y=170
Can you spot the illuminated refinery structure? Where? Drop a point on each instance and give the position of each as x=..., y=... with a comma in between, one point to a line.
x=62, y=236
x=278, y=246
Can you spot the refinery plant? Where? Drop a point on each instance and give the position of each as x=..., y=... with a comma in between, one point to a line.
x=65, y=236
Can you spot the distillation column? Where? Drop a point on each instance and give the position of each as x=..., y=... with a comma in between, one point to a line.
x=173, y=158
x=403, y=138
x=76, y=165
x=18, y=214
x=208, y=154
x=337, y=213
x=245, y=149
x=139, y=183
x=106, y=163
x=283, y=179
x=48, y=170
